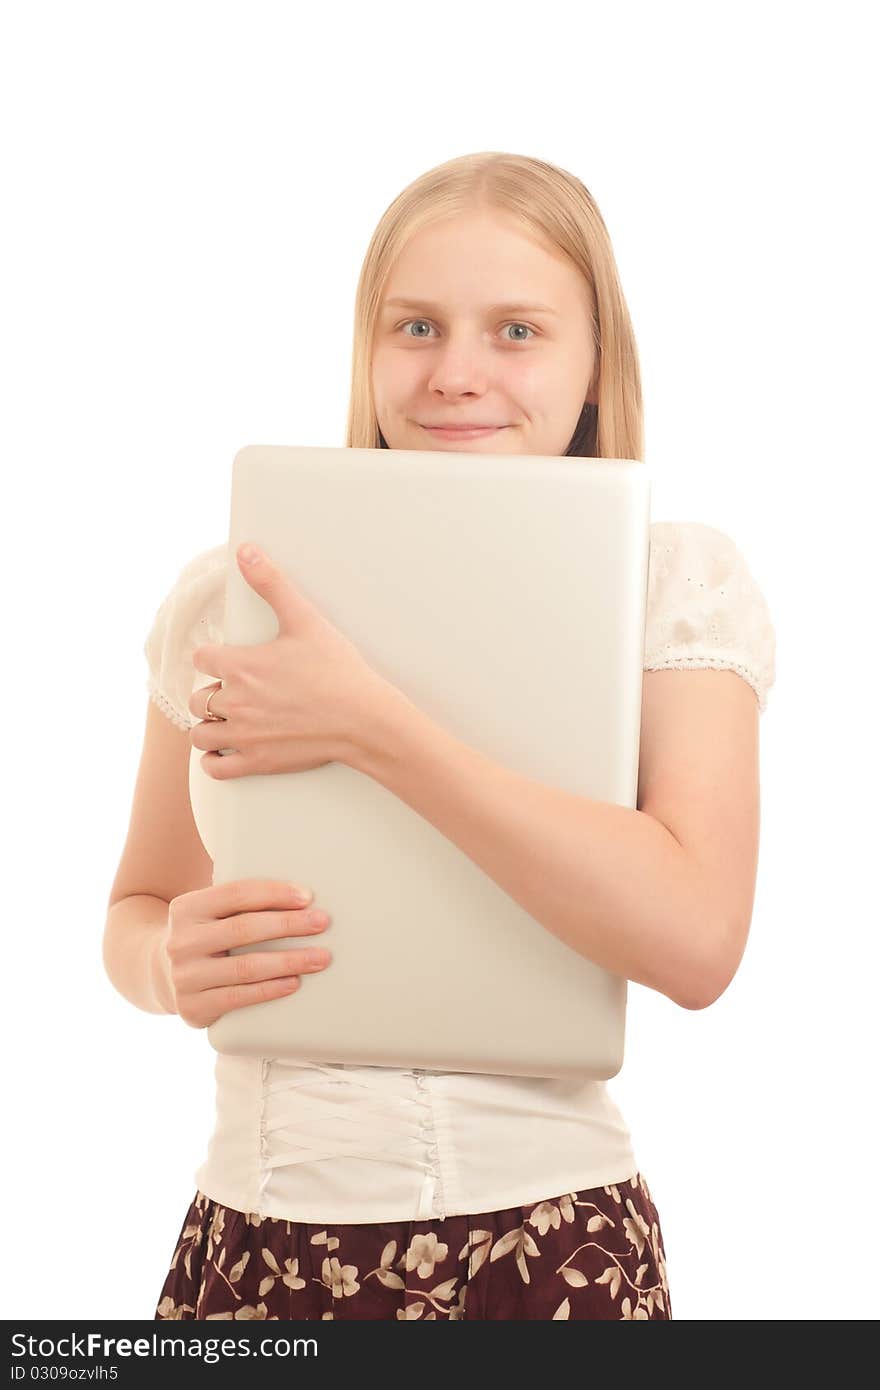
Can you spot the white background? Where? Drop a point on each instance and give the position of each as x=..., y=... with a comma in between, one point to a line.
x=188, y=191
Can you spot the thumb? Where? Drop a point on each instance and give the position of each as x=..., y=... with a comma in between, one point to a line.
x=263, y=575
x=250, y=553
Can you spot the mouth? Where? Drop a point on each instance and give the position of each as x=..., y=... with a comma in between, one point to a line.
x=462, y=431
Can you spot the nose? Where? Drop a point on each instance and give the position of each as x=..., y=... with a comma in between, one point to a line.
x=460, y=366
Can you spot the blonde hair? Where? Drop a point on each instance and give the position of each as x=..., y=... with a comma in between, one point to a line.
x=555, y=206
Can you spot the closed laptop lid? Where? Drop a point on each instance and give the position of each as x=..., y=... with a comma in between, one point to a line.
x=505, y=595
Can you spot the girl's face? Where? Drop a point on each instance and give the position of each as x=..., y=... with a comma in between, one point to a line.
x=495, y=330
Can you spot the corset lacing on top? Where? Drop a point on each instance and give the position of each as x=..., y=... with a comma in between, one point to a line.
x=376, y=1123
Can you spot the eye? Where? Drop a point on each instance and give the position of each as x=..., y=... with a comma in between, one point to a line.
x=409, y=321
x=520, y=325
x=507, y=325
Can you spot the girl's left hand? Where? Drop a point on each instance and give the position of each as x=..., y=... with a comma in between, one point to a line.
x=306, y=698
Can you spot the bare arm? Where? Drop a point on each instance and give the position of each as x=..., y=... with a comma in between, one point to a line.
x=660, y=894
x=162, y=858
x=134, y=953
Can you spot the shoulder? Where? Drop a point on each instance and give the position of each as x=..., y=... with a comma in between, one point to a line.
x=705, y=607
x=676, y=546
x=202, y=574
x=198, y=584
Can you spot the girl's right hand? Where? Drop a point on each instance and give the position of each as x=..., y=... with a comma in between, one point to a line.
x=203, y=925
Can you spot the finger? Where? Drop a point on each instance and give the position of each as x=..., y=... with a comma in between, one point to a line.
x=249, y=967
x=249, y=929
x=214, y=1003
x=206, y=919
x=198, y=700
x=211, y=659
x=242, y=895
x=229, y=763
x=208, y=735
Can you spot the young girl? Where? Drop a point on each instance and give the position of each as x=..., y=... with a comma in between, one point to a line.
x=489, y=299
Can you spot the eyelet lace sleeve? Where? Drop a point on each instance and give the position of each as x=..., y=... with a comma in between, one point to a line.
x=705, y=608
x=190, y=615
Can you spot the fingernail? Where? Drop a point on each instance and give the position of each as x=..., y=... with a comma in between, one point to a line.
x=249, y=553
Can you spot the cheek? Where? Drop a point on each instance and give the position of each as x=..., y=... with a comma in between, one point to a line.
x=402, y=377
x=529, y=381
x=393, y=375
x=548, y=385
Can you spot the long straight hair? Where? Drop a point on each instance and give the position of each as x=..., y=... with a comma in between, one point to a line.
x=550, y=204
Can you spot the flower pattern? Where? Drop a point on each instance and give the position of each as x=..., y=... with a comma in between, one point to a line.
x=595, y=1254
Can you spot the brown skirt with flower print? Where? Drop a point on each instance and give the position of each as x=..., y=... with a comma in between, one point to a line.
x=585, y=1255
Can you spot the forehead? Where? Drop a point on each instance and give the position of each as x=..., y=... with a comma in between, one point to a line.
x=483, y=263
x=431, y=306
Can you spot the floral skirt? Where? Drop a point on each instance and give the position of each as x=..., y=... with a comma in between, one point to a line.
x=585, y=1255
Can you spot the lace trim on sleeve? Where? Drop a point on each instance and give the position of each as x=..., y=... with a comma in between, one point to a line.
x=190, y=615
x=705, y=609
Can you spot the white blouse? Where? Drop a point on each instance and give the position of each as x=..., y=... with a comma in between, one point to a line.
x=332, y=1143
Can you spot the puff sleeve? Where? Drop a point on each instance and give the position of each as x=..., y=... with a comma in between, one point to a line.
x=704, y=607
x=190, y=615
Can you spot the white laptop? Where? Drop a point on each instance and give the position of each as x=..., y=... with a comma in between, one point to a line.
x=506, y=596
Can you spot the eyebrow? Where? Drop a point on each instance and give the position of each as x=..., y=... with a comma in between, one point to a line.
x=490, y=308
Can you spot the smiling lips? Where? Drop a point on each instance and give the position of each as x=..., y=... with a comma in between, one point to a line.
x=462, y=431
